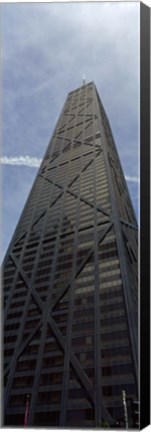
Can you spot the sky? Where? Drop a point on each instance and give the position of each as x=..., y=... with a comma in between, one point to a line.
x=46, y=50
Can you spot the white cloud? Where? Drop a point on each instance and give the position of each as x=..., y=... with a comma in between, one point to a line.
x=21, y=160
x=132, y=179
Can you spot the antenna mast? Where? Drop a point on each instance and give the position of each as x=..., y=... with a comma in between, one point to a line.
x=83, y=81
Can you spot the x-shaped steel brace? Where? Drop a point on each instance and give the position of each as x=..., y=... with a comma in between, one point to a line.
x=69, y=142
x=60, y=338
x=86, y=201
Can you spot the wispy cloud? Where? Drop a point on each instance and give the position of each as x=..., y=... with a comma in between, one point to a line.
x=35, y=162
x=21, y=160
x=132, y=179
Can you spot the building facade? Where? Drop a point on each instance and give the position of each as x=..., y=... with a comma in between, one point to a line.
x=71, y=281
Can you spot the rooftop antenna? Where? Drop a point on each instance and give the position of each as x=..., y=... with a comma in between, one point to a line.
x=83, y=81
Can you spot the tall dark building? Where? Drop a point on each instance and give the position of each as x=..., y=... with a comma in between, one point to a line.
x=70, y=282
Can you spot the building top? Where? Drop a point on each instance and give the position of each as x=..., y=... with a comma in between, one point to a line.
x=83, y=85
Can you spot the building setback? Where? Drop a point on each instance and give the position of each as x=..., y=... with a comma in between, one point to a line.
x=71, y=281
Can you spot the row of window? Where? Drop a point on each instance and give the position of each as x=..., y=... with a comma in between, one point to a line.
x=105, y=306
x=81, y=322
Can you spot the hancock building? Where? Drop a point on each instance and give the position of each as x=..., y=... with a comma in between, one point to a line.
x=70, y=282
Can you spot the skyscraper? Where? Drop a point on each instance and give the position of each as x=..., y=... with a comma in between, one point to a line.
x=70, y=282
